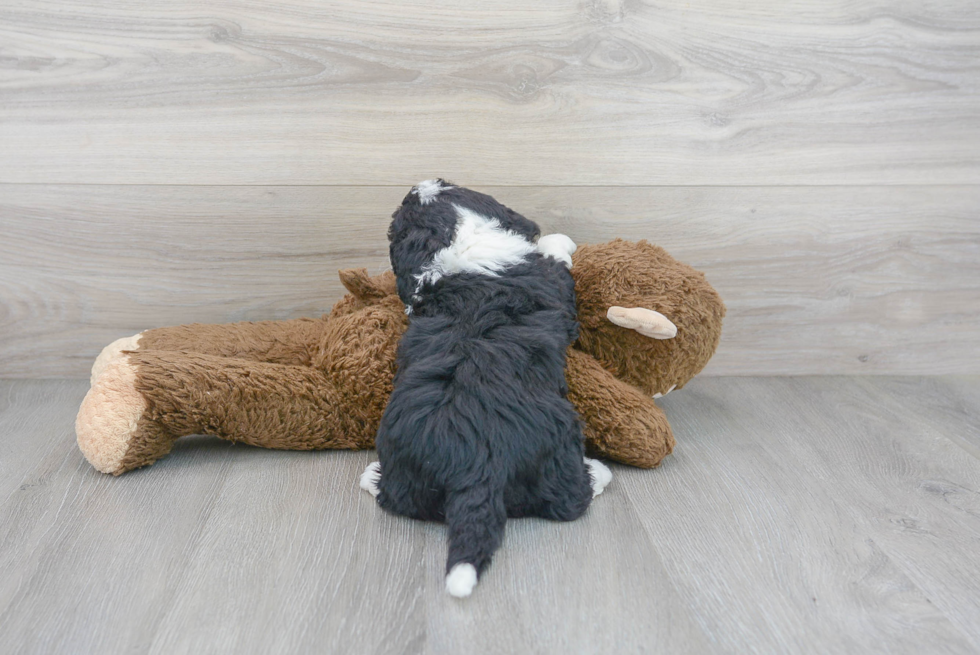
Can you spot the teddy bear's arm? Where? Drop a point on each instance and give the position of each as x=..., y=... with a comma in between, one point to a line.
x=280, y=342
x=147, y=399
x=620, y=422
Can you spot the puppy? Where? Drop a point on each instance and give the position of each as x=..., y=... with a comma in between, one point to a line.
x=478, y=427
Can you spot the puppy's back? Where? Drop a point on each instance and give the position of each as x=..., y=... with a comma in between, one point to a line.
x=479, y=400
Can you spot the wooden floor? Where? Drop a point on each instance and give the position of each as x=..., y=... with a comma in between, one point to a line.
x=803, y=515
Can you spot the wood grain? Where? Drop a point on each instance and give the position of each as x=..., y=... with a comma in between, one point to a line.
x=611, y=601
x=602, y=92
x=328, y=569
x=819, y=514
x=153, y=563
x=27, y=435
x=809, y=515
x=940, y=400
x=907, y=467
x=818, y=280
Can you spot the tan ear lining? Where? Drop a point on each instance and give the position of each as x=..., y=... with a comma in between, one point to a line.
x=645, y=321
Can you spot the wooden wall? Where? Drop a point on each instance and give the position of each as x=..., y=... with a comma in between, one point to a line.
x=218, y=161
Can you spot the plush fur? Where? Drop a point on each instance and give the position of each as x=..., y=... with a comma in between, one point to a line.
x=644, y=275
x=479, y=427
x=323, y=383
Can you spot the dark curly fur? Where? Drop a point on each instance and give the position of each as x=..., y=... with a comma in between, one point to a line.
x=478, y=427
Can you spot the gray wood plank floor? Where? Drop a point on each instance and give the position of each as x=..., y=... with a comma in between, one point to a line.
x=811, y=515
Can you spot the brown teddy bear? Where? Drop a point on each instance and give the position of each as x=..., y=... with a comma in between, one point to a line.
x=309, y=384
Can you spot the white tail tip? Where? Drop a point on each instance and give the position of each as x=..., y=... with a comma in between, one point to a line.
x=461, y=580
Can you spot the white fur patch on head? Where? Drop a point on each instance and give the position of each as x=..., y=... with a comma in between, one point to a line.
x=461, y=580
x=427, y=190
x=600, y=474
x=480, y=245
x=371, y=478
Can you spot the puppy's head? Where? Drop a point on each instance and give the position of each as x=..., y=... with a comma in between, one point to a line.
x=441, y=229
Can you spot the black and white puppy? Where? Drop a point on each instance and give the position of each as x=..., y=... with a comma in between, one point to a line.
x=478, y=427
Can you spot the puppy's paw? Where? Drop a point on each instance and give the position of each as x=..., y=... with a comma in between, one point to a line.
x=557, y=246
x=371, y=478
x=600, y=475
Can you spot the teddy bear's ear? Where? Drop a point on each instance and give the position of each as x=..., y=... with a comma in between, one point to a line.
x=645, y=321
x=364, y=287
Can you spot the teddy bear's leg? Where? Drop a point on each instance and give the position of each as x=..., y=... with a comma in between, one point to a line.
x=620, y=422
x=112, y=427
x=279, y=342
x=147, y=399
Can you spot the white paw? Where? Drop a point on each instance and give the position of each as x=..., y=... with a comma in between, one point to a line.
x=600, y=474
x=661, y=395
x=371, y=478
x=461, y=580
x=558, y=246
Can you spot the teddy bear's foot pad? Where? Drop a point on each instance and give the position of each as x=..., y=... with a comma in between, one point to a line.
x=112, y=428
x=109, y=416
x=112, y=354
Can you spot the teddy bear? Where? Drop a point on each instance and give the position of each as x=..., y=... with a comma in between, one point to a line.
x=648, y=324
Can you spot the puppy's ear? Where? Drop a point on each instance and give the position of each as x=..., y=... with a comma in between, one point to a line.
x=523, y=226
x=416, y=233
x=363, y=286
x=489, y=206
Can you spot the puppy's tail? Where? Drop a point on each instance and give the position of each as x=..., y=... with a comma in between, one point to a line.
x=476, y=516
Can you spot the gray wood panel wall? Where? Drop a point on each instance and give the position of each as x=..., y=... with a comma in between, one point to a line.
x=220, y=161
